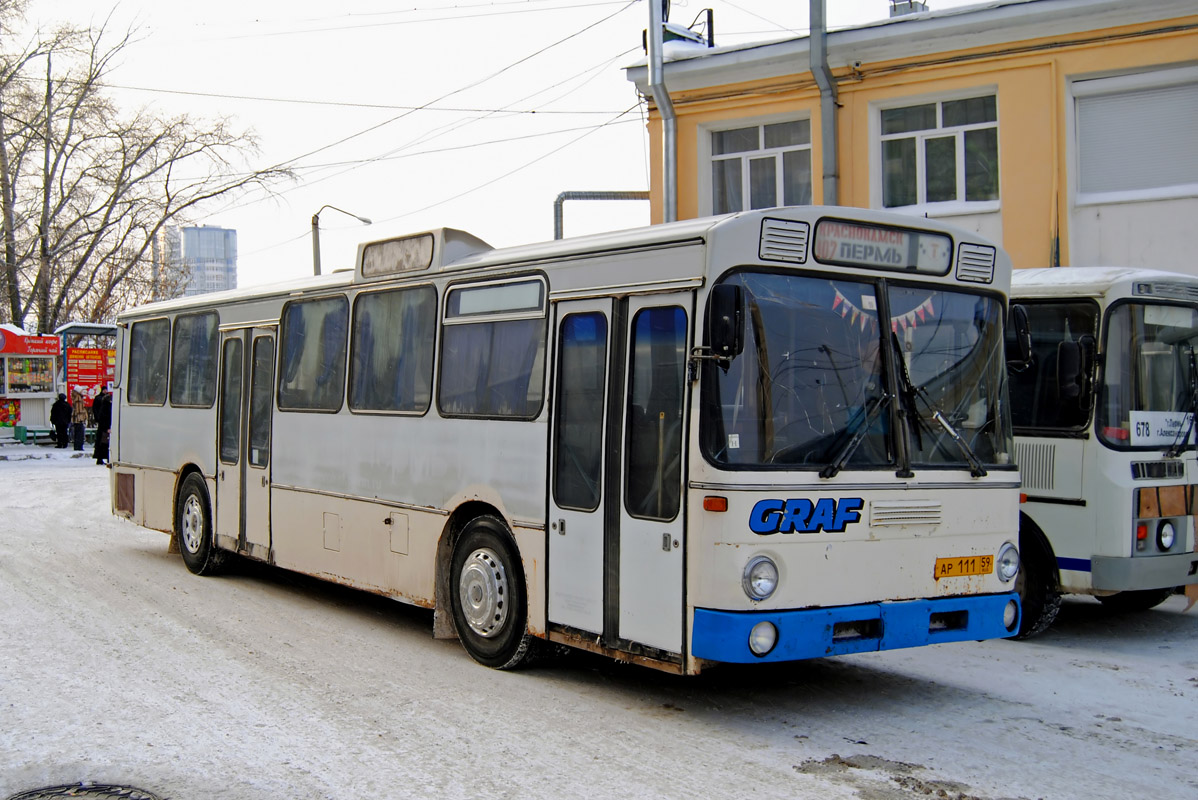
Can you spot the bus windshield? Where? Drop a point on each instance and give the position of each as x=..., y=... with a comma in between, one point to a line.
x=1148, y=384
x=810, y=388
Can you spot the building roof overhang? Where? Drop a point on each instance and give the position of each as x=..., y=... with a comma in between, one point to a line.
x=909, y=36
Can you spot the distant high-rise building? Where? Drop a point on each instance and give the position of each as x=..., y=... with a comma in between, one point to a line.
x=209, y=254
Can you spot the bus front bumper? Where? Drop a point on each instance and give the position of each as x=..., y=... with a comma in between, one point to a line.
x=815, y=633
x=1145, y=572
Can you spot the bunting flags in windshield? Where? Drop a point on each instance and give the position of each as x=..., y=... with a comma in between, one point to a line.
x=856, y=316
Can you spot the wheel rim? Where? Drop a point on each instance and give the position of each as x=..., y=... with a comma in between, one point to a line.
x=483, y=592
x=191, y=524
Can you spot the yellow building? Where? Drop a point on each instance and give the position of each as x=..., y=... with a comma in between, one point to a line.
x=1065, y=129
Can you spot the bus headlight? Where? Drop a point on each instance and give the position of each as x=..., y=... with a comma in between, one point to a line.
x=762, y=638
x=760, y=578
x=1166, y=534
x=1007, y=563
x=1010, y=615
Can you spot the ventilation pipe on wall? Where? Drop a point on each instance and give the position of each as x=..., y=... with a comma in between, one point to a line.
x=661, y=96
x=558, y=227
x=827, y=103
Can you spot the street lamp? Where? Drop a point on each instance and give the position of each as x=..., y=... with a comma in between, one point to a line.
x=316, y=233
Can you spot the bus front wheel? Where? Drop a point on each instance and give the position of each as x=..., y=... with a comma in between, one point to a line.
x=489, y=600
x=193, y=526
x=1131, y=602
x=1036, y=584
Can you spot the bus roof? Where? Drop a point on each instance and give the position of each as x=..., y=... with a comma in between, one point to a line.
x=447, y=249
x=1100, y=281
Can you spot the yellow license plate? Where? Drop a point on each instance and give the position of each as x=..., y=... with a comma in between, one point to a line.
x=964, y=566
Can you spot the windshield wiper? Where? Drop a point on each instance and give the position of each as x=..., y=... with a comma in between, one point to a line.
x=910, y=392
x=1181, y=441
x=873, y=407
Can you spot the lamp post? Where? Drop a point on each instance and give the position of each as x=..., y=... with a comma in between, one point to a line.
x=316, y=233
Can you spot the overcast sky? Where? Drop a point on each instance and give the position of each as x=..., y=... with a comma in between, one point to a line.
x=460, y=113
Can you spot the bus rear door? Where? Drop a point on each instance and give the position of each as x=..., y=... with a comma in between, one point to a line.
x=244, y=440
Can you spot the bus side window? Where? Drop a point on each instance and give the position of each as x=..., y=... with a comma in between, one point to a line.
x=149, y=346
x=392, y=350
x=312, y=374
x=193, y=360
x=493, y=351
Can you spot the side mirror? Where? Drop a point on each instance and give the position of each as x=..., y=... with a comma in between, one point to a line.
x=725, y=321
x=1022, y=331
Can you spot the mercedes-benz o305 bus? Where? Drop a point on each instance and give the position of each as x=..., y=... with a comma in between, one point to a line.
x=1103, y=412
x=762, y=437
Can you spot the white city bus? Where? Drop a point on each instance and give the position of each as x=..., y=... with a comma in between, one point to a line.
x=762, y=437
x=1103, y=413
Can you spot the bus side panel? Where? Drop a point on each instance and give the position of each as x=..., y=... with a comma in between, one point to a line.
x=367, y=545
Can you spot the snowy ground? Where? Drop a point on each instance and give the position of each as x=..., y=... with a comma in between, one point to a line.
x=119, y=666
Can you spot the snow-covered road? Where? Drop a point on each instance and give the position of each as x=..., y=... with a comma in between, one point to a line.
x=119, y=666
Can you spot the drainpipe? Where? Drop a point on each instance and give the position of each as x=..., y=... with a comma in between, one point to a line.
x=661, y=96
x=564, y=196
x=827, y=103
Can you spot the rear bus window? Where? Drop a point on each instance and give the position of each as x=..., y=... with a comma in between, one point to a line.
x=149, y=346
x=312, y=365
x=493, y=350
x=193, y=360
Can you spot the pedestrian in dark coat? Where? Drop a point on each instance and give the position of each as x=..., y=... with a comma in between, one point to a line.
x=60, y=418
x=102, y=411
x=78, y=418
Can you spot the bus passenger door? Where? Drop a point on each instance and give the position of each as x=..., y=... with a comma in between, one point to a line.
x=651, y=540
x=577, y=502
x=243, y=440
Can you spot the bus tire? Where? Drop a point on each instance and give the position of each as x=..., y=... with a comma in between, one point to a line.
x=488, y=596
x=1135, y=601
x=1039, y=595
x=193, y=527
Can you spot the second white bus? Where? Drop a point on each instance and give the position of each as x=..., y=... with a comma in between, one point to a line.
x=1103, y=408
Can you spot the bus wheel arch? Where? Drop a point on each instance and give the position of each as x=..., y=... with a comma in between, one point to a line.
x=481, y=589
x=193, y=525
x=1038, y=582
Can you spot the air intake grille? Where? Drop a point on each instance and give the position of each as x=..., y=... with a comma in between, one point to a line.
x=1036, y=463
x=884, y=513
x=975, y=263
x=784, y=240
x=1179, y=291
x=1143, y=470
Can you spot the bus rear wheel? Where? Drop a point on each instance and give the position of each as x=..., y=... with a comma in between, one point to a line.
x=1130, y=602
x=489, y=600
x=193, y=526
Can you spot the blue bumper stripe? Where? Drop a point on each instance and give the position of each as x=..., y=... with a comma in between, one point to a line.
x=812, y=633
x=1076, y=564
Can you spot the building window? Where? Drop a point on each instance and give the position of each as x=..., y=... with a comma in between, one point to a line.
x=1135, y=135
x=941, y=152
x=761, y=166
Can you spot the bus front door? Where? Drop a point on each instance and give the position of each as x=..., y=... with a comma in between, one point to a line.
x=244, y=441
x=616, y=536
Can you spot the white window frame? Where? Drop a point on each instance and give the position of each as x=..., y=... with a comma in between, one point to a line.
x=704, y=133
x=1083, y=86
x=938, y=209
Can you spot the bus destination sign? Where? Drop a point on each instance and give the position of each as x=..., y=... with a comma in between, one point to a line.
x=858, y=245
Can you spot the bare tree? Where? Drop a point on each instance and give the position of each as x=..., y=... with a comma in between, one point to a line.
x=87, y=190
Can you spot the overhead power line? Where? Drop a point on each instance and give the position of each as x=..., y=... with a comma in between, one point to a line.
x=342, y=104
x=423, y=20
